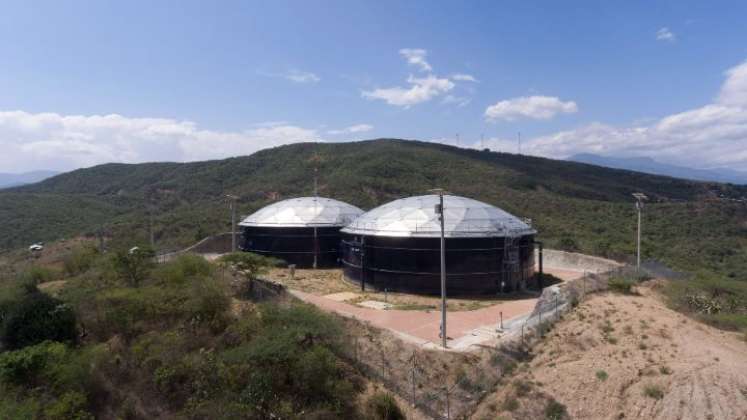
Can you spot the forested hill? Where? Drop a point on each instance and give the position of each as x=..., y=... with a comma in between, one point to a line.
x=573, y=205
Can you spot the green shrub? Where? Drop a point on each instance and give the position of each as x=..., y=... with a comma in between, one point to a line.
x=21, y=367
x=653, y=391
x=36, y=318
x=37, y=275
x=622, y=285
x=72, y=405
x=555, y=411
x=182, y=269
x=80, y=260
x=250, y=265
x=602, y=375
x=383, y=406
x=510, y=404
x=18, y=408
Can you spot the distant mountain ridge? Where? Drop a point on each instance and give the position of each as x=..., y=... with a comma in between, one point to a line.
x=8, y=180
x=651, y=166
x=574, y=206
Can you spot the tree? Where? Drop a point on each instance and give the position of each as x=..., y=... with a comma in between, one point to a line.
x=248, y=264
x=38, y=317
x=135, y=264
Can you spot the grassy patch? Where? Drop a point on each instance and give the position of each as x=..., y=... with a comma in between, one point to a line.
x=653, y=391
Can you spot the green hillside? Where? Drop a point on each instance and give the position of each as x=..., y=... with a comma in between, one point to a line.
x=690, y=225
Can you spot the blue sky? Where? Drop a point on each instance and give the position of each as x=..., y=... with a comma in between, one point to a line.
x=83, y=83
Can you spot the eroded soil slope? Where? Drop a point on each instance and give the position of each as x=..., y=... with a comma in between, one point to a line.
x=630, y=357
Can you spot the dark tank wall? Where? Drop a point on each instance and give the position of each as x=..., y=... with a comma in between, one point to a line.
x=294, y=245
x=474, y=266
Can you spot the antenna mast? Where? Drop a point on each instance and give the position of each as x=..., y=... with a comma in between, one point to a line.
x=519, y=142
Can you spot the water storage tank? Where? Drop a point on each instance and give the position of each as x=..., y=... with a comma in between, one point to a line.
x=397, y=247
x=304, y=231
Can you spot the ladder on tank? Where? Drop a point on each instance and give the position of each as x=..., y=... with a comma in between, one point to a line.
x=510, y=263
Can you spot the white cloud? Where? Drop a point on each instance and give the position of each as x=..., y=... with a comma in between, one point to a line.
x=463, y=77
x=664, y=34
x=53, y=141
x=734, y=90
x=420, y=90
x=358, y=128
x=535, y=107
x=299, y=76
x=416, y=57
x=714, y=135
x=459, y=101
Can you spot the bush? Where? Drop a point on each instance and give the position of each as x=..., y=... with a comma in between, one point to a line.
x=71, y=405
x=602, y=375
x=622, y=285
x=653, y=391
x=185, y=267
x=134, y=265
x=555, y=411
x=80, y=260
x=36, y=318
x=510, y=404
x=383, y=406
x=36, y=275
x=22, y=367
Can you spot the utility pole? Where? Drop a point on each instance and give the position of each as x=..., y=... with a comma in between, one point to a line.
x=315, y=158
x=440, y=211
x=316, y=196
x=232, y=203
x=639, y=198
x=519, y=142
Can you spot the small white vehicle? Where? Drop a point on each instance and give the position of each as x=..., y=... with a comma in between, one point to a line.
x=36, y=247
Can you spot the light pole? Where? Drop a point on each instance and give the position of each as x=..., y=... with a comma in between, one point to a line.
x=639, y=198
x=232, y=202
x=440, y=212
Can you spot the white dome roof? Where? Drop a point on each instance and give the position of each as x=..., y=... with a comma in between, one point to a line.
x=303, y=212
x=416, y=217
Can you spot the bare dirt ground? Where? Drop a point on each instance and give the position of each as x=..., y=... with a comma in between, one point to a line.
x=331, y=282
x=628, y=357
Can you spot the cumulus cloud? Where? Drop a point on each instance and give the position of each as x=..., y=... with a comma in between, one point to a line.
x=535, y=107
x=299, y=76
x=664, y=34
x=422, y=89
x=416, y=57
x=358, y=128
x=62, y=142
x=734, y=90
x=714, y=135
x=463, y=77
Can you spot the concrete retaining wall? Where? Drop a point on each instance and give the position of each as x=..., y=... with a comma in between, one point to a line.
x=576, y=262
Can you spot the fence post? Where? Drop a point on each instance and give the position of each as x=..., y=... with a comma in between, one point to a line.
x=412, y=374
x=540, y=323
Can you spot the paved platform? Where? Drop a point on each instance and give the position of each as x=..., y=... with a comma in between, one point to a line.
x=465, y=328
